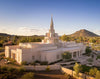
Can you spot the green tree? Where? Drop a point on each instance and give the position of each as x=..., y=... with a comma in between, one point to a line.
x=77, y=68
x=88, y=51
x=65, y=38
x=66, y=55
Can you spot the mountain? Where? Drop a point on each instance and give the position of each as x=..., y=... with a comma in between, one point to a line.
x=4, y=34
x=84, y=33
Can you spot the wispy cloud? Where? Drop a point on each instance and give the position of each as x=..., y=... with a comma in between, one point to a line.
x=97, y=32
x=25, y=30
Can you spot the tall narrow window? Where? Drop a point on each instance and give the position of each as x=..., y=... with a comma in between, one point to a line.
x=57, y=56
x=32, y=57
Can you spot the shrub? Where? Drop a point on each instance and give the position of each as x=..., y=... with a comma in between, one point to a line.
x=48, y=68
x=2, y=54
x=11, y=69
x=97, y=75
x=67, y=76
x=93, y=71
x=90, y=60
x=37, y=61
x=77, y=68
x=66, y=55
x=85, y=68
x=44, y=63
x=33, y=63
x=88, y=51
x=98, y=57
x=29, y=75
x=21, y=70
x=24, y=63
x=4, y=68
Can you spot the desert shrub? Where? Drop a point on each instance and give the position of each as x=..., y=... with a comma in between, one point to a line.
x=48, y=68
x=37, y=61
x=8, y=76
x=98, y=57
x=93, y=71
x=90, y=60
x=67, y=76
x=44, y=63
x=88, y=51
x=85, y=68
x=24, y=63
x=4, y=68
x=77, y=68
x=11, y=69
x=2, y=54
x=29, y=75
x=66, y=55
x=97, y=75
x=21, y=70
x=33, y=63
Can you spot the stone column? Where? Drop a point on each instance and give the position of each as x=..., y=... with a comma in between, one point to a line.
x=72, y=54
x=77, y=54
x=80, y=53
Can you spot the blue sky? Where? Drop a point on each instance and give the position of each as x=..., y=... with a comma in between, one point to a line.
x=32, y=17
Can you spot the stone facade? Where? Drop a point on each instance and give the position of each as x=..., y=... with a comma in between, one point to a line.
x=50, y=49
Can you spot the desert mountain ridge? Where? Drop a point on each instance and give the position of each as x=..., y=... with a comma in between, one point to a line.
x=84, y=33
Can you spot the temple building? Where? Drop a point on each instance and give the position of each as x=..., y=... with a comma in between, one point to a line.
x=50, y=49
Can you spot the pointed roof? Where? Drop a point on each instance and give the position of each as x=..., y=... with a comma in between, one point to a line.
x=51, y=24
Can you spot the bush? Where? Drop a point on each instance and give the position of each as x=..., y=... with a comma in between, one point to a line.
x=85, y=68
x=4, y=68
x=97, y=75
x=21, y=70
x=88, y=51
x=93, y=71
x=24, y=63
x=2, y=54
x=28, y=76
x=90, y=60
x=98, y=57
x=48, y=68
x=77, y=68
x=11, y=69
x=44, y=63
x=66, y=55
x=37, y=61
x=33, y=63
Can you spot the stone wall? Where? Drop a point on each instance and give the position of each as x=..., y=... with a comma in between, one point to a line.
x=43, y=67
x=72, y=73
x=58, y=67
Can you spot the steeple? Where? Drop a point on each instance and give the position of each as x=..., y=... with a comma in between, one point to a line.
x=51, y=26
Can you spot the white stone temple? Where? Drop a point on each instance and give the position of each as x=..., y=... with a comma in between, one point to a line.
x=50, y=49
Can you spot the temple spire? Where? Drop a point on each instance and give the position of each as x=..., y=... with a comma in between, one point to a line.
x=51, y=26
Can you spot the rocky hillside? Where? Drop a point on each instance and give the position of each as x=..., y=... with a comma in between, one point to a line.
x=84, y=33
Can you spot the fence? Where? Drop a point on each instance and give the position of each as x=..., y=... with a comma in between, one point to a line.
x=43, y=67
x=72, y=73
